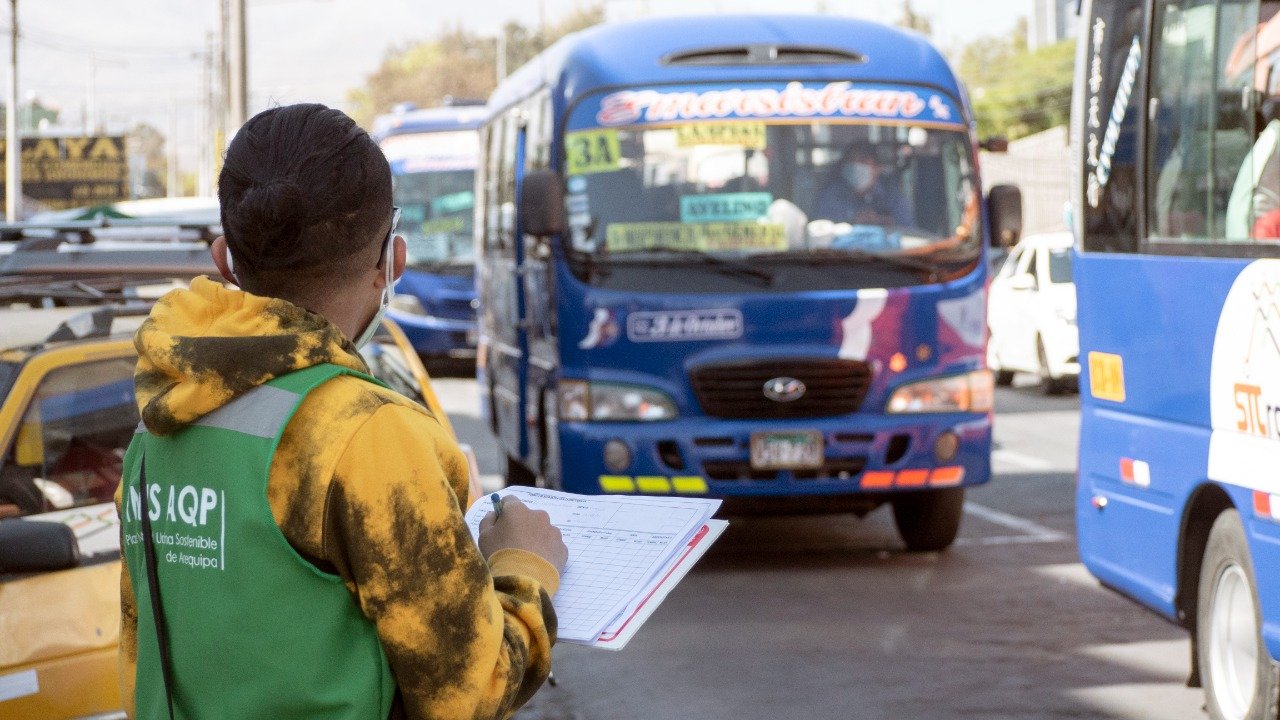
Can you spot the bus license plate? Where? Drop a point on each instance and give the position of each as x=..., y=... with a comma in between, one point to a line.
x=798, y=450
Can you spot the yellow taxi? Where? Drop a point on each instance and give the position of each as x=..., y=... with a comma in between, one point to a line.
x=67, y=413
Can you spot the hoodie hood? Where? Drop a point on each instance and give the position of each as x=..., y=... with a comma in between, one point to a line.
x=205, y=346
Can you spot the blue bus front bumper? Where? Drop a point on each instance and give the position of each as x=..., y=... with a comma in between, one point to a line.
x=438, y=337
x=873, y=455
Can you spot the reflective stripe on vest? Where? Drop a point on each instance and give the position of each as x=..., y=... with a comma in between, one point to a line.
x=261, y=412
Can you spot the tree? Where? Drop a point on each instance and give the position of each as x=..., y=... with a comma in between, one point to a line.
x=1015, y=91
x=457, y=63
x=913, y=20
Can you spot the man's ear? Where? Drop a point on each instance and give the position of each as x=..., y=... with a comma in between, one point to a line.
x=222, y=259
x=399, y=256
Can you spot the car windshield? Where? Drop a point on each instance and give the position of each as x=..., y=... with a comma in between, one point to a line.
x=434, y=185
x=1060, y=266
x=69, y=445
x=777, y=194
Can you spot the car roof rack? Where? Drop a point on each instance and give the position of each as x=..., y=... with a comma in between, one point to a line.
x=45, y=291
x=108, y=248
x=85, y=232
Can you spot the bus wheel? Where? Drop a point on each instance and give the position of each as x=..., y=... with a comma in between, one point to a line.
x=1004, y=378
x=929, y=520
x=515, y=473
x=1240, y=680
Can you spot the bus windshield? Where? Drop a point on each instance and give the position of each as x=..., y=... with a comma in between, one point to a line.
x=774, y=193
x=435, y=189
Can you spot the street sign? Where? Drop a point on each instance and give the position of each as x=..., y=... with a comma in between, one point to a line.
x=67, y=172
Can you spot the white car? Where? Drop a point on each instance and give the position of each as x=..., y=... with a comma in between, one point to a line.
x=1032, y=314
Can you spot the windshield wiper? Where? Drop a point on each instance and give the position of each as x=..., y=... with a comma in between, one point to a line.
x=825, y=255
x=714, y=262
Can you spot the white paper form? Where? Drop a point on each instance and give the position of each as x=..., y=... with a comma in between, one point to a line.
x=616, y=546
x=624, y=627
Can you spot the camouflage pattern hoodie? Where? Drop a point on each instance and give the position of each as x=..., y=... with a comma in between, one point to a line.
x=365, y=484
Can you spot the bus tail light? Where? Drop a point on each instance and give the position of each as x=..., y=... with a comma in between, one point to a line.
x=971, y=392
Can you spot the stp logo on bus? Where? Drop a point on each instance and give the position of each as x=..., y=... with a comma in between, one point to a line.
x=784, y=389
x=1244, y=395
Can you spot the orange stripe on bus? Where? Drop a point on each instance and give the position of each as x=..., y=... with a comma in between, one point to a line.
x=947, y=476
x=913, y=478
x=877, y=480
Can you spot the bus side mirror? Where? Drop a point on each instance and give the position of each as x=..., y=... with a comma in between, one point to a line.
x=995, y=144
x=35, y=546
x=1004, y=207
x=542, y=204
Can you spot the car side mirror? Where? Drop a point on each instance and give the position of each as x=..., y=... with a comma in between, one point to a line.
x=28, y=546
x=542, y=204
x=1004, y=207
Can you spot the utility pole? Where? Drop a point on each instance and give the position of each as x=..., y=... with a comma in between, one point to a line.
x=237, y=67
x=13, y=142
x=501, y=53
x=171, y=144
x=207, y=122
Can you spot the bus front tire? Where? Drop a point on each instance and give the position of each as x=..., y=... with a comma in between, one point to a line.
x=515, y=473
x=1240, y=680
x=929, y=520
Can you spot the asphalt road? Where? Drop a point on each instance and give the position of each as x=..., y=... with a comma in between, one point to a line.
x=828, y=617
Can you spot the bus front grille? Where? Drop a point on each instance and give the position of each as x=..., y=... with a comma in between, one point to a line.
x=737, y=390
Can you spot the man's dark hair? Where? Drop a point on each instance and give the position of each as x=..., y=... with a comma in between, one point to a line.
x=305, y=196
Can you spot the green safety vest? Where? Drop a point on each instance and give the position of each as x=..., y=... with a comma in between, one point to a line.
x=255, y=630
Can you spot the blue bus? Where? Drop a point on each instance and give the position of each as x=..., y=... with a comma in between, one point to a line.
x=1177, y=132
x=433, y=154
x=740, y=257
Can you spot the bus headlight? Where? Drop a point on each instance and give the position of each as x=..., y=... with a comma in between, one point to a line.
x=407, y=304
x=971, y=392
x=582, y=401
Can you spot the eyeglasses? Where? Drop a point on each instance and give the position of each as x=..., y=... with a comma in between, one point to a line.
x=391, y=236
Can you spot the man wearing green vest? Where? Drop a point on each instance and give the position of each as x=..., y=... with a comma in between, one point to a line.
x=297, y=525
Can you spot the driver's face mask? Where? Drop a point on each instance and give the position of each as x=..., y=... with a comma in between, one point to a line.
x=860, y=175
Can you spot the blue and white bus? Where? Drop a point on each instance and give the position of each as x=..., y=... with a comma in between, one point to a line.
x=740, y=257
x=433, y=155
x=1177, y=132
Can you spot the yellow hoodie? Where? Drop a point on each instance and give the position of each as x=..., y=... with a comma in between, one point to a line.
x=365, y=484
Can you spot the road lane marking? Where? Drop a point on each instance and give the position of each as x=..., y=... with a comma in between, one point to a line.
x=1022, y=460
x=1163, y=659
x=1068, y=574
x=1013, y=522
x=1009, y=540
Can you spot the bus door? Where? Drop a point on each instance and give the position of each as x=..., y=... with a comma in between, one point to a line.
x=538, y=310
x=506, y=342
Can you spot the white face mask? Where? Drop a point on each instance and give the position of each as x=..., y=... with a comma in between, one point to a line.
x=372, y=328
x=859, y=175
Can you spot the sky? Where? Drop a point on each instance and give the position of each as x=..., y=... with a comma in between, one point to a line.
x=143, y=60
